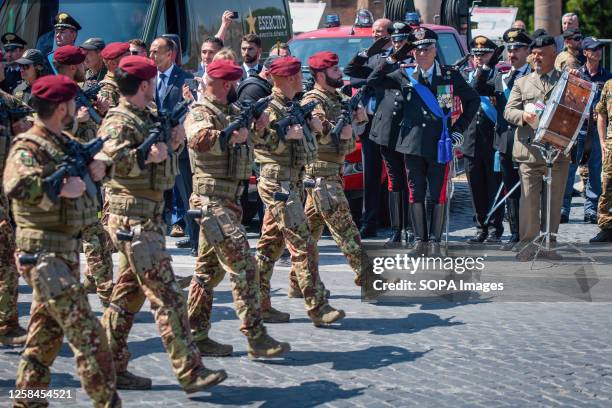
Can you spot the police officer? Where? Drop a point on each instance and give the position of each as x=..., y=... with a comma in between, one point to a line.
x=13, y=46
x=11, y=333
x=282, y=161
x=93, y=61
x=478, y=145
x=358, y=69
x=326, y=204
x=220, y=166
x=424, y=95
x=48, y=229
x=136, y=204
x=385, y=133
x=604, y=126
x=517, y=42
x=32, y=66
x=111, y=55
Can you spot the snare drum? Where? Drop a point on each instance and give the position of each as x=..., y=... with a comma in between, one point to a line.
x=566, y=110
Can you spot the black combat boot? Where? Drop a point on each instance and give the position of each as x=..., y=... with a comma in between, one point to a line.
x=436, y=228
x=419, y=224
x=408, y=234
x=395, y=215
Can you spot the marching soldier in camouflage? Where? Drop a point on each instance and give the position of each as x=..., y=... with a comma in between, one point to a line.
x=280, y=187
x=136, y=227
x=11, y=333
x=220, y=166
x=112, y=54
x=326, y=203
x=604, y=127
x=98, y=276
x=48, y=226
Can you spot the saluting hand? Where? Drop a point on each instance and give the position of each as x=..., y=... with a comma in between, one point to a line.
x=377, y=46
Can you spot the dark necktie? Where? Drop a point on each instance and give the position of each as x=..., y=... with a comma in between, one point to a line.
x=162, y=83
x=513, y=78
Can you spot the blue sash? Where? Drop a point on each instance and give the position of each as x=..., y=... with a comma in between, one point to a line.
x=488, y=108
x=445, y=144
x=50, y=59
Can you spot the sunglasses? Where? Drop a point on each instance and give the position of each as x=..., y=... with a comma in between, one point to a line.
x=134, y=52
x=577, y=38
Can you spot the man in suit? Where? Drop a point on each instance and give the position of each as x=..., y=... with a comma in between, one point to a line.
x=358, y=69
x=250, y=50
x=423, y=103
x=527, y=90
x=210, y=47
x=517, y=44
x=169, y=92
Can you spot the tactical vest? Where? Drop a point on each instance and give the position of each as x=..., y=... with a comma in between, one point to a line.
x=155, y=176
x=330, y=157
x=289, y=165
x=220, y=175
x=48, y=229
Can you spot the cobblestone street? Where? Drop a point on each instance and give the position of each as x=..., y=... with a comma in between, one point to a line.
x=435, y=354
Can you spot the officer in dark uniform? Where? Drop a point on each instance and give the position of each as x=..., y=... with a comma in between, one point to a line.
x=32, y=66
x=385, y=133
x=66, y=30
x=358, y=69
x=422, y=107
x=13, y=47
x=517, y=45
x=478, y=145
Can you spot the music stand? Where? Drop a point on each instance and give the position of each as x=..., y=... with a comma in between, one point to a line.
x=543, y=241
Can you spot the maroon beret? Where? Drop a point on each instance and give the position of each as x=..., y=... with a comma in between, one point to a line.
x=141, y=67
x=322, y=60
x=286, y=66
x=115, y=50
x=69, y=55
x=55, y=88
x=224, y=69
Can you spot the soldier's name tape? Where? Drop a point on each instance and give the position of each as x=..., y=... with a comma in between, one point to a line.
x=42, y=394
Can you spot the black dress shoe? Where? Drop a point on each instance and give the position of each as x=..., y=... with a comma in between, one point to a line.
x=564, y=219
x=602, y=236
x=366, y=232
x=183, y=243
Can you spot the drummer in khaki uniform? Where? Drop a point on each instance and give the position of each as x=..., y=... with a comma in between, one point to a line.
x=529, y=89
x=604, y=126
x=220, y=168
x=326, y=203
x=280, y=188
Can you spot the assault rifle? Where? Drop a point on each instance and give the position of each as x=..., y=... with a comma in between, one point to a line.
x=346, y=115
x=85, y=98
x=13, y=114
x=74, y=164
x=250, y=110
x=296, y=115
x=162, y=130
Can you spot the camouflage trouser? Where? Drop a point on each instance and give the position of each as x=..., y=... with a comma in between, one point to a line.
x=9, y=279
x=285, y=223
x=60, y=308
x=223, y=247
x=604, y=207
x=145, y=272
x=98, y=255
x=326, y=204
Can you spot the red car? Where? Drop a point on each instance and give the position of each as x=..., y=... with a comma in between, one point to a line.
x=346, y=41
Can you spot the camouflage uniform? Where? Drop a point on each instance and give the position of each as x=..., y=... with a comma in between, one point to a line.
x=326, y=203
x=282, y=170
x=217, y=187
x=604, y=208
x=8, y=273
x=566, y=60
x=136, y=203
x=23, y=92
x=59, y=304
x=96, y=243
x=109, y=90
